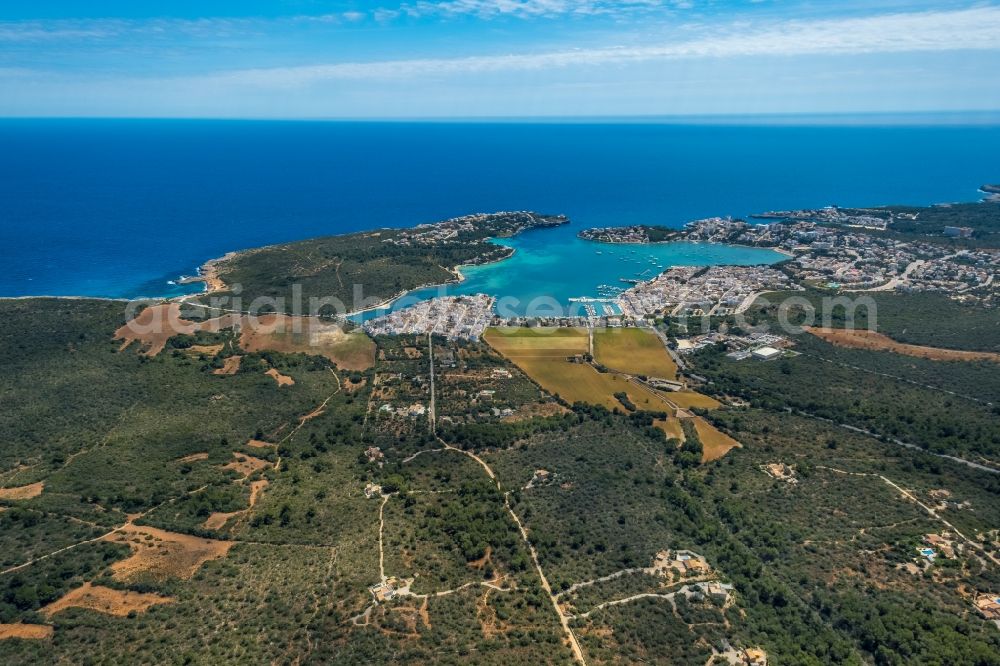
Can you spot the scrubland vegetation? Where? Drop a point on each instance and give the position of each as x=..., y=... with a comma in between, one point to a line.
x=125, y=442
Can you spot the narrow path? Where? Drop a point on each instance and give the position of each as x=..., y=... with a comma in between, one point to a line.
x=371, y=395
x=5, y=477
x=129, y=522
x=317, y=606
x=897, y=442
x=340, y=280
x=121, y=527
x=635, y=597
x=381, y=538
x=61, y=550
x=430, y=411
x=73, y=456
x=337, y=377
x=678, y=361
x=308, y=417
x=486, y=468
x=445, y=593
x=897, y=378
x=603, y=579
x=67, y=517
x=563, y=620
x=420, y=453
x=929, y=510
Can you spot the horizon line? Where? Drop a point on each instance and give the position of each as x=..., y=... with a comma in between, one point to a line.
x=978, y=117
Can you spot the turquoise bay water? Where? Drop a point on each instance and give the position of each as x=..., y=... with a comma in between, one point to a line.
x=551, y=266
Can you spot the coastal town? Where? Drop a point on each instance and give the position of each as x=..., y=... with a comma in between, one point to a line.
x=712, y=291
x=836, y=252
x=469, y=228
x=828, y=248
x=454, y=317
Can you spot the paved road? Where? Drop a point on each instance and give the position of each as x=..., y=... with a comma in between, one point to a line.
x=430, y=411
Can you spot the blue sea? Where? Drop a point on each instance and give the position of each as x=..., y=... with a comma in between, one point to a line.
x=118, y=208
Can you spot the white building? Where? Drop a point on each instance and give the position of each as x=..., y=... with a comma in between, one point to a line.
x=766, y=353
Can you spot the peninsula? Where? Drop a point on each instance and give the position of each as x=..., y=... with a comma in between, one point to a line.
x=637, y=233
x=368, y=268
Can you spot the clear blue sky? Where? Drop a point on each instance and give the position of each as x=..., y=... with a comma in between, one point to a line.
x=469, y=58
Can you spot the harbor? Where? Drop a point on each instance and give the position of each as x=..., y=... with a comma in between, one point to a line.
x=554, y=273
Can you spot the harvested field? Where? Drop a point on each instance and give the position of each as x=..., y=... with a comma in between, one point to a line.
x=158, y=323
x=634, y=351
x=246, y=465
x=160, y=554
x=649, y=400
x=230, y=366
x=671, y=427
x=872, y=341
x=538, y=342
x=574, y=382
x=715, y=443
x=543, y=356
x=308, y=335
x=689, y=399
x=22, y=492
x=27, y=632
x=282, y=380
x=194, y=457
x=105, y=600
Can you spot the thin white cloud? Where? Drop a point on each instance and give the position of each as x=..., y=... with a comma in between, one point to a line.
x=527, y=9
x=108, y=28
x=61, y=30
x=970, y=29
